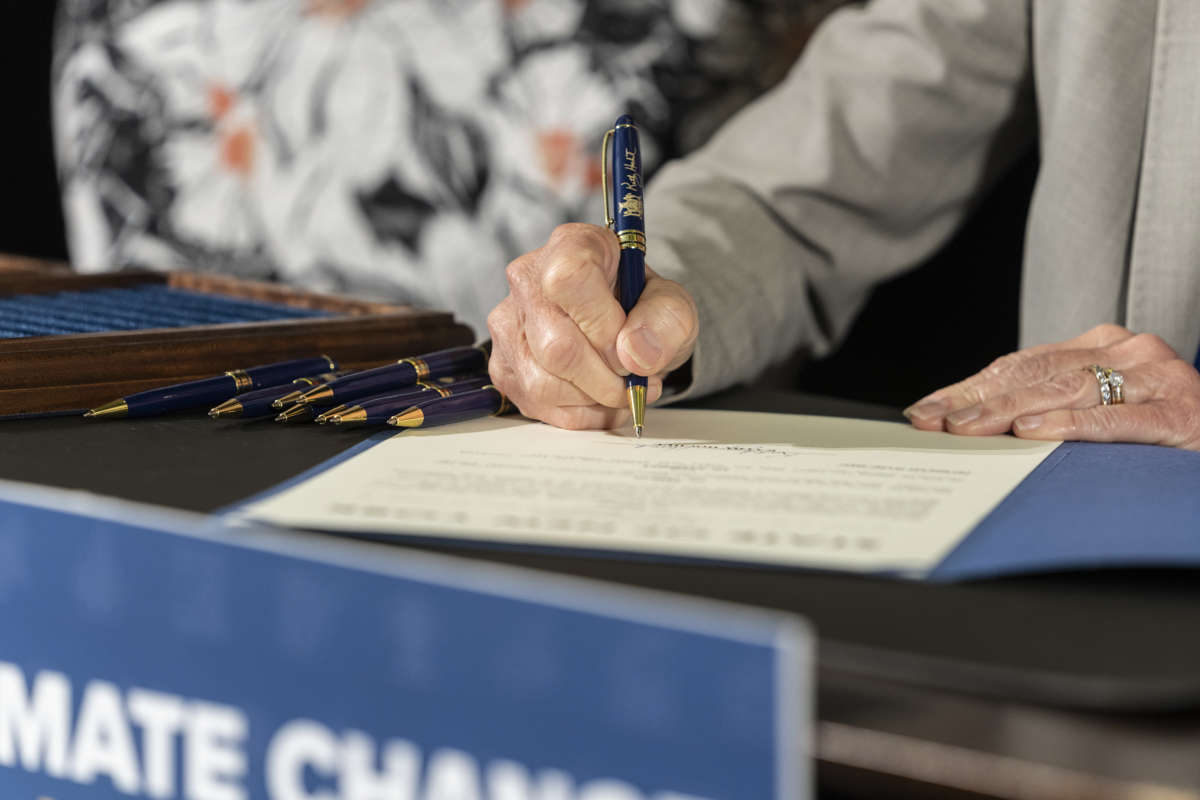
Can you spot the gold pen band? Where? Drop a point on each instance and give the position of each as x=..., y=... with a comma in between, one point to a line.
x=631, y=239
x=241, y=381
x=434, y=388
x=419, y=365
x=504, y=404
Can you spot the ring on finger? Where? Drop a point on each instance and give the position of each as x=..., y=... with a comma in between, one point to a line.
x=1111, y=383
x=1117, y=381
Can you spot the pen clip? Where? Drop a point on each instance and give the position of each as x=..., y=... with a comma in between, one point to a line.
x=605, y=163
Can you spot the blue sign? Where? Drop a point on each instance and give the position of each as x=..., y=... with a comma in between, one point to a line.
x=147, y=653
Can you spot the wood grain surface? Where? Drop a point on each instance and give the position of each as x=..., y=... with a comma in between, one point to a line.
x=56, y=373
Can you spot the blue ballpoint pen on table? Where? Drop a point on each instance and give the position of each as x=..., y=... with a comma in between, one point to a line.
x=205, y=392
x=485, y=402
x=260, y=402
x=402, y=374
x=621, y=172
x=376, y=410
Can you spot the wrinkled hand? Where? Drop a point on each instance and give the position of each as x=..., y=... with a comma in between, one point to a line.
x=1048, y=392
x=561, y=344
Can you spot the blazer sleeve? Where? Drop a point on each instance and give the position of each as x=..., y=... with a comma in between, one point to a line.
x=862, y=162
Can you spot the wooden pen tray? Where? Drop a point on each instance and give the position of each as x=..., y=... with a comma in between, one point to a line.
x=44, y=372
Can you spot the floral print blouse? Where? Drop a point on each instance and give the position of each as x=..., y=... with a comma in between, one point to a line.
x=399, y=149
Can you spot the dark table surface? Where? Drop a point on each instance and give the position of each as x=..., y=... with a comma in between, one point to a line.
x=909, y=671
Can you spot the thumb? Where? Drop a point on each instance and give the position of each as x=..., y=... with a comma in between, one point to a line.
x=660, y=331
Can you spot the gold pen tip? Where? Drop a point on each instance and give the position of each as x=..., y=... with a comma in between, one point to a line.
x=328, y=414
x=412, y=418
x=297, y=413
x=289, y=399
x=114, y=408
x=637, y=404
x=230, y=408
x=315, y=395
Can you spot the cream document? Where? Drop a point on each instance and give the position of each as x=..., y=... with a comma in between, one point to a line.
x=775, y=489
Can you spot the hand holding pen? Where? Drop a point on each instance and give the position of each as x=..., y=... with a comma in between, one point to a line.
x=562, y=345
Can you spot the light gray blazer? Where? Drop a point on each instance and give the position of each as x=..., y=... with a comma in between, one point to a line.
x=895, y=121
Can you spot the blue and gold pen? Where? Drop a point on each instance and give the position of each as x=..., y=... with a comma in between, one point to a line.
x=376, y=410
x=624, y=214
x=205, y=392
x=487, y=401
x=400, y=375
x=260, y=402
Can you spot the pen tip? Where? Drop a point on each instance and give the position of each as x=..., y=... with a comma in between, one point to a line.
x=230, y=408
x=410, y=418
x=317, y=396
x=328, y=414
x=115, y=408
x=637, y=404
x=297, y=413
x=349, y=416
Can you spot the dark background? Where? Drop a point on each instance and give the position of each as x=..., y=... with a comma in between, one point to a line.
x=923, y=330
x=30, y=215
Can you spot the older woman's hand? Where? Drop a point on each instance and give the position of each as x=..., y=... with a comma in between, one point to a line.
x=1051, y=392
x=561, y=343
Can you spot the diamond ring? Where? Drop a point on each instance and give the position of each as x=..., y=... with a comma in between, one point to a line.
x=1112, y=384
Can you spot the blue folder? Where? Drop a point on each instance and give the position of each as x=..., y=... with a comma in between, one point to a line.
x=1089, y=506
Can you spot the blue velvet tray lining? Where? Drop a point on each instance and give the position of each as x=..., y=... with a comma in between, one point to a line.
x=133, y=308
